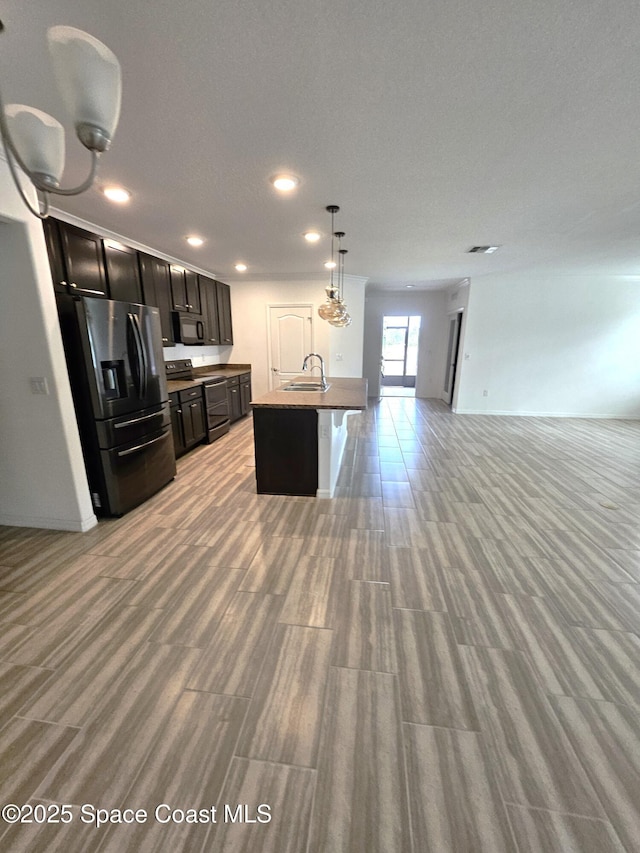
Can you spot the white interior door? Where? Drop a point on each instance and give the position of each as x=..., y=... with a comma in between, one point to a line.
x=453, y=347
x=291, y=338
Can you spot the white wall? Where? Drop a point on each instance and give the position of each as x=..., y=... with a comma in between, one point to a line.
x=431, y=306
x=249, y=302
x=42, y=477
x=552, y=345
x=346, y=345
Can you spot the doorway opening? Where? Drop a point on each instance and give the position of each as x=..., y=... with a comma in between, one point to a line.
x=399, y=362
x=453, y=352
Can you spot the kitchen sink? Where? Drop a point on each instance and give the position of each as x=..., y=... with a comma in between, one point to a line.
x=305, y=386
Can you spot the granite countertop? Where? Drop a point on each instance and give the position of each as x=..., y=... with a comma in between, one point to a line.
x=223, y=371
x=344, y=393
x=227, y=371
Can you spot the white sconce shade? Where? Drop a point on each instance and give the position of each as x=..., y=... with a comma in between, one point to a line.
x=39, y=139
x=88, y=77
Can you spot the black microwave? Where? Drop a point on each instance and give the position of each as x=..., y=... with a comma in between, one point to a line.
x=188, y=328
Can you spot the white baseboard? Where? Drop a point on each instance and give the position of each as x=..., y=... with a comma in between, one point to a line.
x=585, y=415
x=80, y=526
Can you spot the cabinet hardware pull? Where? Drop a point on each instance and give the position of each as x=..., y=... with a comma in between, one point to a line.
x=86, y=289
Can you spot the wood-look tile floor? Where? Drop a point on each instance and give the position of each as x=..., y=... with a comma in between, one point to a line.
x=444, y=657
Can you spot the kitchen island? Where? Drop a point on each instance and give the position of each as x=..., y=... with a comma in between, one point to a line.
x=300, y=436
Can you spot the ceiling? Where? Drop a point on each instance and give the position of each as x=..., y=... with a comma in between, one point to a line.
x=435, y=126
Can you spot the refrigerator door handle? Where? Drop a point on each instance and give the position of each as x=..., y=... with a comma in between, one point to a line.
x=138, y=420
x=140, y=354
x=141, y=446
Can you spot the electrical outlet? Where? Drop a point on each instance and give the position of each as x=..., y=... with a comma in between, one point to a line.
x=338, y=356
x=485, y=393
x=39, y=385
x=324, y=432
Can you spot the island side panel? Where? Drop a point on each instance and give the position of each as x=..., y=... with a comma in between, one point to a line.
x=286, y=449
x=332, y=438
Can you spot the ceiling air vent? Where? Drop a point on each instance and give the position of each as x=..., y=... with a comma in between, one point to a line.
x=483, y=250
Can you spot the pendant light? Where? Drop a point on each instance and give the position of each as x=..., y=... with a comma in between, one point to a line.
x=333, y=309
x=328, y=308
x=344, y=319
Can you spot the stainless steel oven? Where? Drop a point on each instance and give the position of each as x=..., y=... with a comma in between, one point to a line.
x=215, y=395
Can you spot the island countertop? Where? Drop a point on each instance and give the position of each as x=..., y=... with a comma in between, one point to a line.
x=344, y=393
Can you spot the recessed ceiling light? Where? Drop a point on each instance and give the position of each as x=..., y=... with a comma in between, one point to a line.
x=241, y=267
x=331, y=265
x=409, y=285
x=285, y=183
x=117, y=194
x=483, y=250
x=311, y=236
x=195, y=241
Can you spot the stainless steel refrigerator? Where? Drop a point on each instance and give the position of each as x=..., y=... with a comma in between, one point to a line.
x=116, y=367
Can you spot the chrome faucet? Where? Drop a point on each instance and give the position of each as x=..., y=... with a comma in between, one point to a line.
x=305, y=366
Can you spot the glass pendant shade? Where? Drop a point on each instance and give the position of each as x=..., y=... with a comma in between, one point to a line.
x=88, y=77
x=39, y=140
x=341, y=322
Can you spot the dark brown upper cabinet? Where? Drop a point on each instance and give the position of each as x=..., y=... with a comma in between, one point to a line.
x=123, y=275
x=192, y=286
x=185, y=290
x=77, y=259
x=156, y=289
x=223, y=292
x=208, y=295
x=54, y=250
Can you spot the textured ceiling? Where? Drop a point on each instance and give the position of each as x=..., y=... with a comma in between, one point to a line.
x=435, y=126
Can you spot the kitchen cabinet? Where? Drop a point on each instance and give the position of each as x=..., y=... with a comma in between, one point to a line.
x=193, y=416
x=54, y=250
x=234, y=399
x=84, y=263
x=185, y=290
x=123, y=273
x=187, y=418
x=245, y=394
x=192, y=286
x=286, y=449
x=177, y=428
x=178, y=289
x=156, y=290
x=208, y=295
x=300, y=436
x=77, y=259
x=223, y=297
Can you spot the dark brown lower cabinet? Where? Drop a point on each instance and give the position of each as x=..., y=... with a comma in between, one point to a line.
x=188, y=419
x=233, y=398
x=286, y=448
x=245, y=394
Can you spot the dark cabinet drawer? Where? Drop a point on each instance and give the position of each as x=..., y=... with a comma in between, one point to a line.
x=190, y=394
